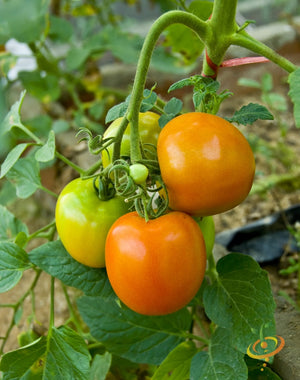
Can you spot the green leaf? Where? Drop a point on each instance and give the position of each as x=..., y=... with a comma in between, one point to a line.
x=45, y=88
x=173, y=106
x=201, y=8
x=247, y=82
x=13, y=262
x=221, y=361
x=100, y=366
x=10, y=226
x=148, y=101
x=13, y=119
x=244, y=300
x=119, y=110
x=7, y=62
x=25, y=361
x=60, y=125
x=25, y=24
x=116, y=111
x=267, y=82
x=60, y=29
x=250, y=113
x=181, y=83
x=47, y=152
x=184, y=41
x=67, y=356
x=275, y=100
x=294, y=93
x=256, y=370
x=12, y=158
x=133, y=336
x=25, y=175
x=55, y=260
x=177, y=364
x=63, y=354
x=76, y=57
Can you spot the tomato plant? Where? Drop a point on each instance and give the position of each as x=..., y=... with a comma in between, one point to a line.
x=83, y=221
x=155, y=267
x=149, y=130
x=163, y=307
x=206, y=163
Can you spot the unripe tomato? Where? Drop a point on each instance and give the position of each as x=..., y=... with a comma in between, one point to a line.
x=206, y=164
x=149, y=130
x=155, y=267
x=83, y=221
x=139, y=173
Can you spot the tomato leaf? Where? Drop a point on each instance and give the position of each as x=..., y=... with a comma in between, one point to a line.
x=13, y=118
x=12, y=158
x=23, y=359
x=10, y=226
x=25, y=175
x=47, y=152
x=67, y=355
x=13, y=262
x=62, y=354
x=244, y=298
x=294, y=93
x=100, y=366
x=45, y=88
x=220, y=359
x=55, y=260
x=133, y=336
x=250, y=113
x=177, y=364
x=12, y=24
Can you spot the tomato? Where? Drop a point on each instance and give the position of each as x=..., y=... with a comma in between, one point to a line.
x=149, y=130
x=139, y=173
x=83, y=221
x=155, y=267
x=206, y=164
x=207, y=227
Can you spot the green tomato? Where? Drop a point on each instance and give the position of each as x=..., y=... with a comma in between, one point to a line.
x=149, y=130
x=83, y=221
x=207, y=227
x=139, y=173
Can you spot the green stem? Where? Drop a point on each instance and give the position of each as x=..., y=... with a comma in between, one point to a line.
x=43, y=229
x=16, y=307
x=73, y=318
x=77, y=168
x=221, y=27
x=118, y=139
x=168, y=18
x=51, y=322
x=244, y=40
x=48, y=191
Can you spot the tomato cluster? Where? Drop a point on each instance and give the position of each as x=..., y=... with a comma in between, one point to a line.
x=157, y=266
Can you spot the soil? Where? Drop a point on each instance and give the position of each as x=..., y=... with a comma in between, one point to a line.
x=39, y=209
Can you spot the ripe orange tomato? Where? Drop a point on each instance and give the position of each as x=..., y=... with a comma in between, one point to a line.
x=206, y=164
x=155, y=267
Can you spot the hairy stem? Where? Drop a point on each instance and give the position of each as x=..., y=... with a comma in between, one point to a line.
x=172, y=17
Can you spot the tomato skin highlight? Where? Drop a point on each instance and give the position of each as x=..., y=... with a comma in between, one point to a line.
x=83, y=221
x=206, y=164
x=155, y=267
x=149, y=130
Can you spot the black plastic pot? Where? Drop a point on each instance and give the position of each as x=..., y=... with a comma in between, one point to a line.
x=266, y=239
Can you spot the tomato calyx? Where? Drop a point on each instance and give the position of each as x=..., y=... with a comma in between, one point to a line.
x=104, y=188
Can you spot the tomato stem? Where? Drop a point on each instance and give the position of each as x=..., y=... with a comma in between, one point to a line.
x=168, y=18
